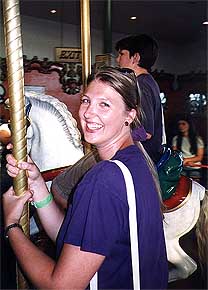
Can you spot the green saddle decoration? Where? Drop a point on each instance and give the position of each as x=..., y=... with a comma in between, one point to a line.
x=169, y=170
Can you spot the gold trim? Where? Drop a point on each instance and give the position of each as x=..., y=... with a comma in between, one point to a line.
x=85, y=40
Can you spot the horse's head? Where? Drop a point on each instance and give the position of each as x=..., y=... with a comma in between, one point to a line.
x=53, y=138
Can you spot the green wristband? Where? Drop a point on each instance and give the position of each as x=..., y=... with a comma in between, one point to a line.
x=44, y=202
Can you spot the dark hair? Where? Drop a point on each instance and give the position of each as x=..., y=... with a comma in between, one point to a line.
x=124, y=82
x=145, y=45
x=191, y=135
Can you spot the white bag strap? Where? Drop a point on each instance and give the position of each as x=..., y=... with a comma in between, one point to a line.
x=132, y=225
x=164, y=140
x=132, y=222
x=94, y=282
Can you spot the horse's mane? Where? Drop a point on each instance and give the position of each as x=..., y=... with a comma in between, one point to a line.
x=58, y=109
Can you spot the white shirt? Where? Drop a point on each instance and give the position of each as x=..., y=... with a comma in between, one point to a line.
x=186, y=147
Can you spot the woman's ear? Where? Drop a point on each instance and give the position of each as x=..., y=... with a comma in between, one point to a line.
x=131, y=116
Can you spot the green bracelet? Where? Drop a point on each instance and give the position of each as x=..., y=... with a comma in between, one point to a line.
x=44, y=202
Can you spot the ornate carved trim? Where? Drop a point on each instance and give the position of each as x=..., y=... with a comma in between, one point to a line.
x=70, y=73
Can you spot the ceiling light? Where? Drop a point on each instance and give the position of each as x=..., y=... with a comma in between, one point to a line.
x=205, y=23
x=133, y=17
x=53, y=11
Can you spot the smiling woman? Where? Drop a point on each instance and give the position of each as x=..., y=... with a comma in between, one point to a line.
x=97, y=114
x=86, y=244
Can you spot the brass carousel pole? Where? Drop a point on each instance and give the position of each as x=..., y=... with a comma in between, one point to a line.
x=85, y=48
x=14, y=58
x=85, y=40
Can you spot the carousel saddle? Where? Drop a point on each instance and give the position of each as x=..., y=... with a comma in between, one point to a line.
x=181, y=194
x=174, y=187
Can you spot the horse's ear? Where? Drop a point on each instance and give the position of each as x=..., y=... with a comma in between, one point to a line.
x=28, y=108
x=27, y=111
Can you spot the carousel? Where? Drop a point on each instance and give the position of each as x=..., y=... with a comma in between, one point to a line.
x=185, y=209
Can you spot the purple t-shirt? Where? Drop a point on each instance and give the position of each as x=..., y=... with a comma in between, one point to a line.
x=152, y=108
x=97, y=221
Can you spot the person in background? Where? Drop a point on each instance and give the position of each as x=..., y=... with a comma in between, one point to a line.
x=192, y=147
x=139, y=53
x=94, y=236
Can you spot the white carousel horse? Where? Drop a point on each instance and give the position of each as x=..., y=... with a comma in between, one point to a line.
x=181, y=216
x=53, y=139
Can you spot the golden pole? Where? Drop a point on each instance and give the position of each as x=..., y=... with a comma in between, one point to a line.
x=14, y=58
x=85, y=40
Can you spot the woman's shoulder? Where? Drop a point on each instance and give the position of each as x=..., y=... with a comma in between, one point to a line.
x=104, y=170
x=131, y=157
x=104, y=178
x=174, y=139
x=108, y=172
x=200, y=141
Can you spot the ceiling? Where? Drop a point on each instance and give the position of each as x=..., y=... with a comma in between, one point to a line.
x=177, y=21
